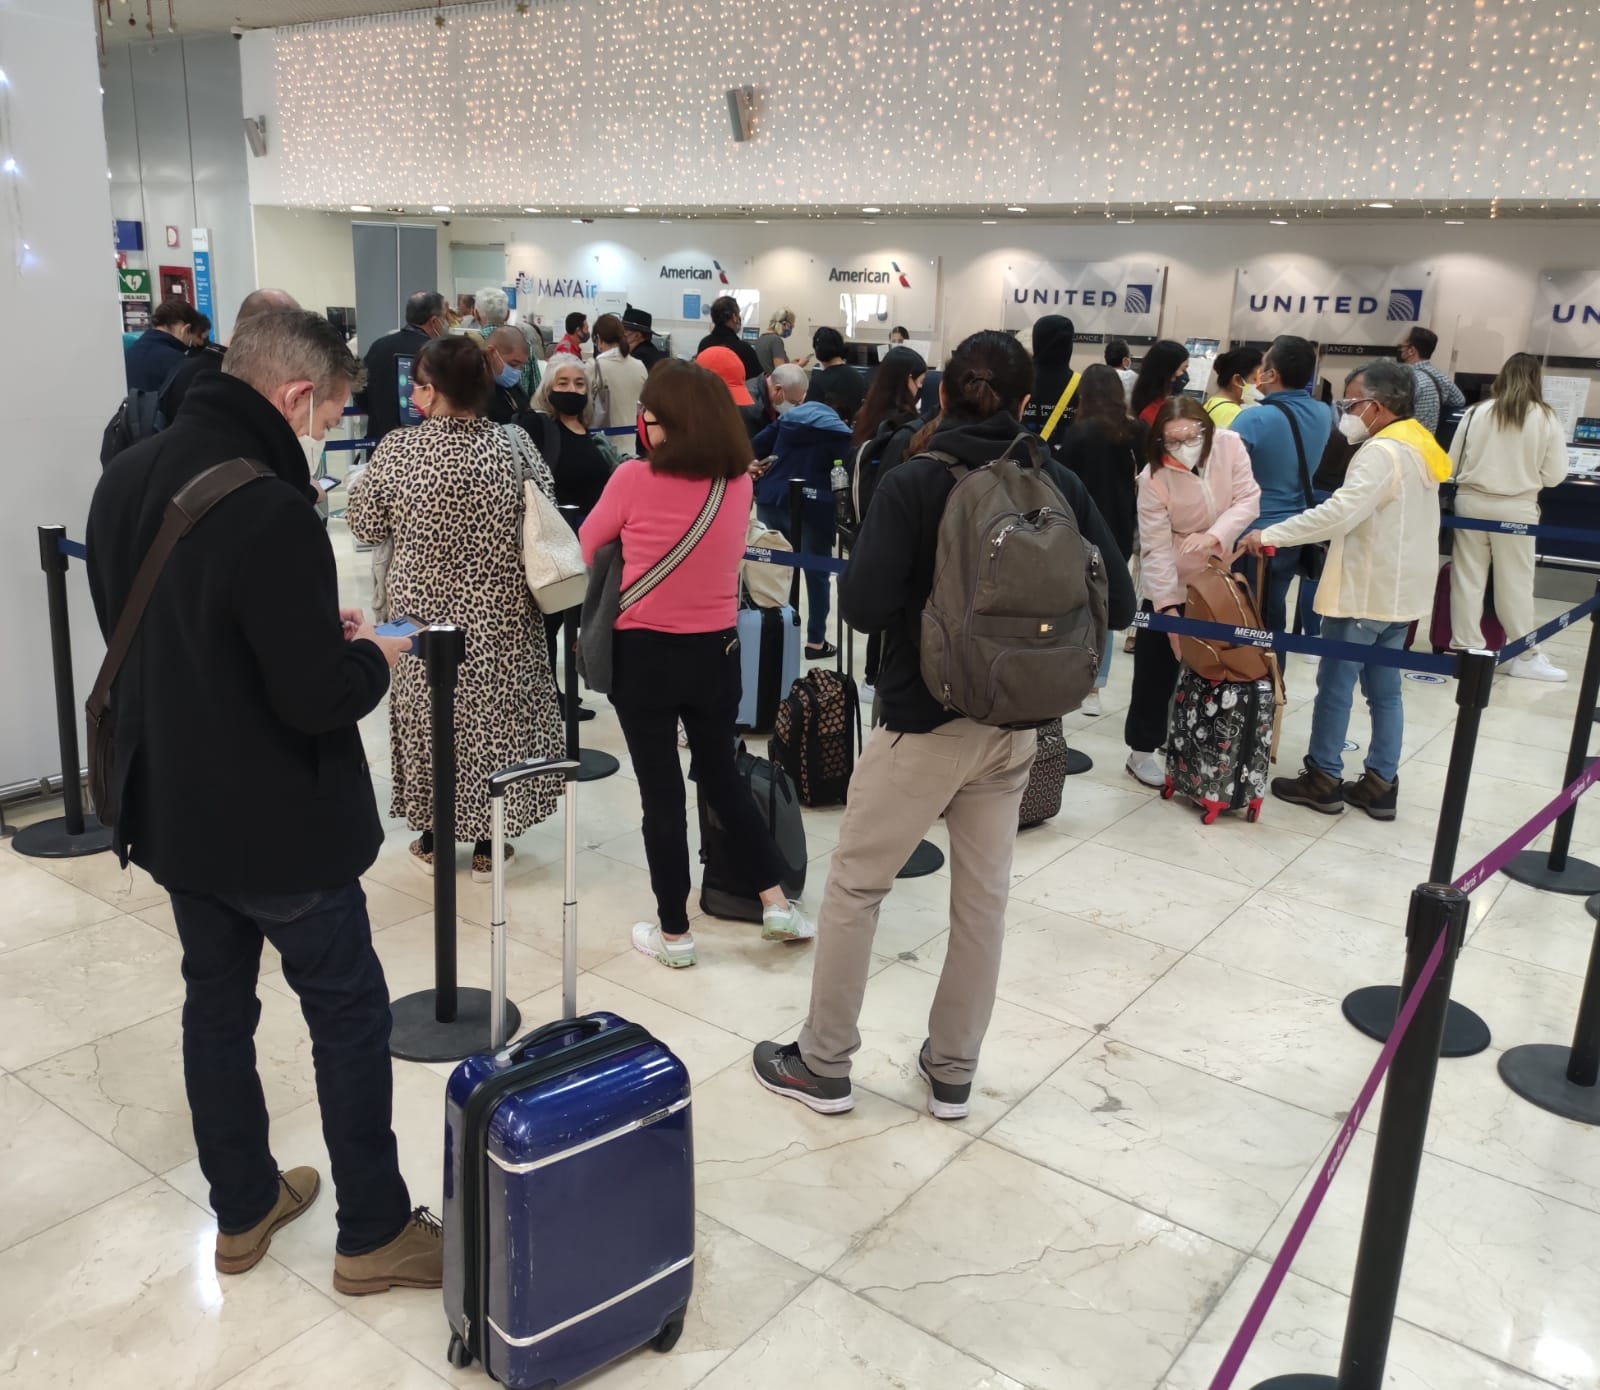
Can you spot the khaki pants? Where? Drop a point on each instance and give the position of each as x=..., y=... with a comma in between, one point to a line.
x=976, y=776
x=1512, y=557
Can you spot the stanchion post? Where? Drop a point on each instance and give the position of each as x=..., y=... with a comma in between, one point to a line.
x=72, y=834
x=1373, y=1010
x=593, y=765
x=1436, y=910
x=1556, y=872
x=1565, y=1080
x=443, y=649
x=447, y=1022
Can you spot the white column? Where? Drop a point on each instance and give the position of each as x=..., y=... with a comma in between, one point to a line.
x=60, y=351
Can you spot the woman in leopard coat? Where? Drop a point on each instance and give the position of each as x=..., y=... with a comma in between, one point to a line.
x=449, y=493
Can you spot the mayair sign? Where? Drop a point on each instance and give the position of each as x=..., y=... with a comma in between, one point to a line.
x=1566, y=318
x=1351, y=309
x=1104, y=299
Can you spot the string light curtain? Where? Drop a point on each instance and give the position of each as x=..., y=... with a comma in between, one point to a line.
x=605, y=103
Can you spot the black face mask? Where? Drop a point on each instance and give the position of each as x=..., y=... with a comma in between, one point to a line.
x=569, y=402
x=1179, y=382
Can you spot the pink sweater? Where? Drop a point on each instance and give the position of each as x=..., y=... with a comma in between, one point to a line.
x=651, y=512
x=1175, y=504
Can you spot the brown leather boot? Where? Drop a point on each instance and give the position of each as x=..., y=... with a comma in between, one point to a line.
x=414, y=1259
x=297, y=1190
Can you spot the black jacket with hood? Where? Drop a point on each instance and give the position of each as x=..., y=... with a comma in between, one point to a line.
x=1053, y=339
x=890, y=574
x=240, y=764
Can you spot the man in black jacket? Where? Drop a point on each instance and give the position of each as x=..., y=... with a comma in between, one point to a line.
x=508, y=358
x=638, y=326
x=149, y=358
x=244, y=789
x=926, y=760
x=726, y=324
x=209, y=358
x=1054, y=337
x=381, y=398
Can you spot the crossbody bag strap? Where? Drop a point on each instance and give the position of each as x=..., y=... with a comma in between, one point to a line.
x=184, y=512
x=1300, y=452
x=1465, y=431
x=658, y=572
x=1061, y=407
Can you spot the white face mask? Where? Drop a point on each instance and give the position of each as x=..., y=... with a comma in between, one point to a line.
x=1353, y=428
x=1187, y=454
x=1252, y=394
x=312, y=447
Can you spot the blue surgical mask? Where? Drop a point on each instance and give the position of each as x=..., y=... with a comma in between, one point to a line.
x=787, y=332
x=509, y=375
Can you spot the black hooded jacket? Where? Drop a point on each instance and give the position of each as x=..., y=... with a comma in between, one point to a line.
x=890, y=574
x=240, y=764
x=1053, y=339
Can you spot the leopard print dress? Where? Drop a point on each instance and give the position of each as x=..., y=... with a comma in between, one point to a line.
x=449, y=492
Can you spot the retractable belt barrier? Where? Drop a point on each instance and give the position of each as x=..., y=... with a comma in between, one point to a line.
x=826, y=563
x=1366, y=1333
x=1289, y=642
x=1550, y=629
x=1538, y=530
x=75, y=550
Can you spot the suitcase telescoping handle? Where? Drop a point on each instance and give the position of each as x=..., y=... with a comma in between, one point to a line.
x=499, y=784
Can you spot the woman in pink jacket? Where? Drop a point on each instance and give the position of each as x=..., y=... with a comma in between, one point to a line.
x=1197, y=495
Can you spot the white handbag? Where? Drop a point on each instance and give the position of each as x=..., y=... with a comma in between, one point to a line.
x=552, y=558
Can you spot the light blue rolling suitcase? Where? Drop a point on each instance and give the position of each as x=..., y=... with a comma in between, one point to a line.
x=769, y=663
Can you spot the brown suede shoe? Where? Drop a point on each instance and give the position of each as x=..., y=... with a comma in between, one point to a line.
x=297, y=1190
x=414, y=1259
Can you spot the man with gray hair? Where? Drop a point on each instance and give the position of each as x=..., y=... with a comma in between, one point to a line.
x=494, y=311
x=394, y=353
x=241, y=786
x=786, y=387
x=1382, y=564
x=209, y=358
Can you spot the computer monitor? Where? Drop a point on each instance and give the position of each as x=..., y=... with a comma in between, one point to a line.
x=1475, y=386
x=861, y=354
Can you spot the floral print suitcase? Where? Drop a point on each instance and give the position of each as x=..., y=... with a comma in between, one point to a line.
x=1220, y=744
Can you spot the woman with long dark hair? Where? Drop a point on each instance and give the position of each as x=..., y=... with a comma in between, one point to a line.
x=891, y=403
x=925, y=760
x=1197, y=495
x=1164, y=372
x=676, y=651
x=1105, y=448
x=1505, y=449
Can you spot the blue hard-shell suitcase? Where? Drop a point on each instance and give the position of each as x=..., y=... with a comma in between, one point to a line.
x=769, y=663
x=568, y=1180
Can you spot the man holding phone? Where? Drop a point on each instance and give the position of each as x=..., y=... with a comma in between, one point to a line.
x=242, y=788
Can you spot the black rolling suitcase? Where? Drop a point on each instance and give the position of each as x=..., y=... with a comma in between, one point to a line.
x=726, y=887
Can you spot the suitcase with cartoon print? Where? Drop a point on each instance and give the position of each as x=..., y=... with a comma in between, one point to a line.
x=1219, y=744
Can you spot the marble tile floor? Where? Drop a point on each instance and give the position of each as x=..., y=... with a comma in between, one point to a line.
x=1165, y=1070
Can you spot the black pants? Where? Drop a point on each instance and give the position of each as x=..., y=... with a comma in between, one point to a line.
x=658, y=679
x=325, y=941
x=1155, y=677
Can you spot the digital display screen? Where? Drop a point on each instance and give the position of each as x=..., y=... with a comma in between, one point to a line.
x=1588, y=431
x=409, y=414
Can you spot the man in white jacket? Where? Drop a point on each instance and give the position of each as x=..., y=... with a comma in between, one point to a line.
x=1383, y=527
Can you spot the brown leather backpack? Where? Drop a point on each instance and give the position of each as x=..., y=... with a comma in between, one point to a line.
x=1218, y=595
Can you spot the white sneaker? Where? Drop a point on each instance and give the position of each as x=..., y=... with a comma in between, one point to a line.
x=647, y=938
x=1146, y=768
x=1091, y=703
x=1535, y=666
x=785, y=924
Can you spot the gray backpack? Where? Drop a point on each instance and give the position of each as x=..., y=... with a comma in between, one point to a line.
x=1014, y=628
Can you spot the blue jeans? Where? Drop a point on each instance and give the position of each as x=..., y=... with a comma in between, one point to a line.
x=1336, y=681
x=816, y=538
x=325, y=942
x=1105, y=662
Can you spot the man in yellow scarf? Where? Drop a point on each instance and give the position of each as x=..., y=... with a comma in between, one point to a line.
x=1382, y=526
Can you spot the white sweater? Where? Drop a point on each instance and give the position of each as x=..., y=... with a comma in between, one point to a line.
x=1508, y=460
x=1383, y=525
x=623, y=380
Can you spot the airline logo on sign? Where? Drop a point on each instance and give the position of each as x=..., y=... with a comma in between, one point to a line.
x=540, y=287
x=670, y=271
x=1105, y=299
x=838, y=275
x=1136, y=300
x=1344, y=308
x=1405, y=306
x=1566, y=313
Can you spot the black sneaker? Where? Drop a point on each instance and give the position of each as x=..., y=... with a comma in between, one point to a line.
x=1373, y=795
x=780, y=1069
x=946, y=1101
x=1313, y=788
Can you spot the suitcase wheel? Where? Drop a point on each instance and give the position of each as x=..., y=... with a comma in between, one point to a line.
x=1213, y=809
x=457, y=1354
x=1254, y=813
x=1167, y=790
x=667, y=1338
